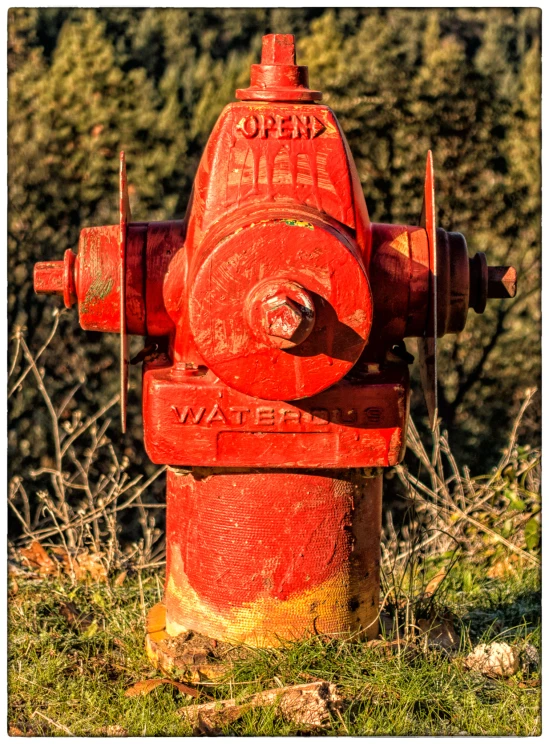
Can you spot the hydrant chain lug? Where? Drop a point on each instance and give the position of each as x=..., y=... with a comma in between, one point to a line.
x=275, y=372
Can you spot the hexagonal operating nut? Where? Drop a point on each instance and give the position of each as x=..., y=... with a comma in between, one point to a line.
x=283, y=317
x=502, y=282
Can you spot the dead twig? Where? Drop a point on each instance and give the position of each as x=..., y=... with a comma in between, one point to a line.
x=19, y=336
x=60, y=726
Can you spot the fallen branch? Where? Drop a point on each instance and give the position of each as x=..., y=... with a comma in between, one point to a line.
x=305, y=705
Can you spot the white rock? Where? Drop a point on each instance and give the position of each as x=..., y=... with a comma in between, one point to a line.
x=494, y=659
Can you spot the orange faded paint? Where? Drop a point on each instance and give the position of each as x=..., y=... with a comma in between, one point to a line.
x=260, y=556
x=276, y=313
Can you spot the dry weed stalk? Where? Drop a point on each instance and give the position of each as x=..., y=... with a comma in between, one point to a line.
x=83, y=508
x=457, y=501
x=90, y=486
x=450, y=513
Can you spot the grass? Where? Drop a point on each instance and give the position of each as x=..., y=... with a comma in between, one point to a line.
x=67, y=679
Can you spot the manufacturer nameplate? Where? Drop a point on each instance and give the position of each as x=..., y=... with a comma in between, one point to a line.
x=265, y=416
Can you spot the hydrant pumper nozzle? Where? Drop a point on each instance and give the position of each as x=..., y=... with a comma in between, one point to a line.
x=279, y=387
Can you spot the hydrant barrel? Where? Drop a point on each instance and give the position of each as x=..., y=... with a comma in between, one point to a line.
x=265, y=556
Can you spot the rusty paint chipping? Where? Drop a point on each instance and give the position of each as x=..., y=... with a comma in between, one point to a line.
x=299, y=223
x=98, y=291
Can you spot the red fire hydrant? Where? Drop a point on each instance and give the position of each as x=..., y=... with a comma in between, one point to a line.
x=279, y=387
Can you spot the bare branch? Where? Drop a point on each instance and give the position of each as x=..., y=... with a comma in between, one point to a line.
x=56, y=316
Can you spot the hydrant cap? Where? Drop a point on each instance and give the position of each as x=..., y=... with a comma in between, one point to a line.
x=274, y=327
x=278, y=78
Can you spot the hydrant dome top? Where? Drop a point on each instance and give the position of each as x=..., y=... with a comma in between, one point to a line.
x=278, y=78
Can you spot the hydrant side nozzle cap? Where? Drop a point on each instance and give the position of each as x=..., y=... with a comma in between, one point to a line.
x=277, y=77
x=489, y=282
x=48, y=277
x=57, y=277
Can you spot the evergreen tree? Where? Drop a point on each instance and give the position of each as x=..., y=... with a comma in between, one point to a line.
x=465, y=82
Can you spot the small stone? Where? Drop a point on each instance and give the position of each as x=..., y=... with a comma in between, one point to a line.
x=116, y=730
x=493, y=659
x=530, y=658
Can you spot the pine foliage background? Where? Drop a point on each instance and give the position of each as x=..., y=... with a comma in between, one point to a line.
x=85, y=83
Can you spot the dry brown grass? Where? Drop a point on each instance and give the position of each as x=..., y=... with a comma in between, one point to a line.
x=90, y=485
x=451, y=512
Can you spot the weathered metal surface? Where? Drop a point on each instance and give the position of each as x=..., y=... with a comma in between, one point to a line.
x=98, y=279
x=195, y=419
x=261, y=253
x=283, y=313
x=278, y=78
x=262, y=556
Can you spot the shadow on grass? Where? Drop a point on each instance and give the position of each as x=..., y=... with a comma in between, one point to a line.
x=513, y=615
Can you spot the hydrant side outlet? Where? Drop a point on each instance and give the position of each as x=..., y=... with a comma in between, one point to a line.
x=279, y=387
